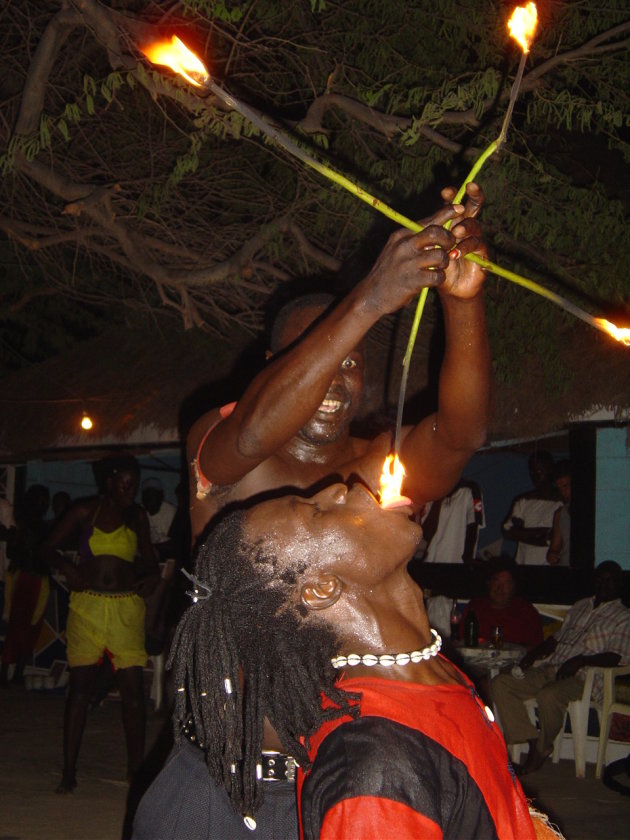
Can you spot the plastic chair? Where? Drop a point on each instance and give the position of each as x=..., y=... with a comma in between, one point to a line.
x=578, y=712
x=157, y=681
x=609, y=706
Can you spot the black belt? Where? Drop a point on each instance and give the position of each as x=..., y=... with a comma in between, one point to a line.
x=276, y=767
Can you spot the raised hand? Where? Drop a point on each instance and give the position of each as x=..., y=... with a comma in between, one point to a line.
x=408, y=263
x=463, y=278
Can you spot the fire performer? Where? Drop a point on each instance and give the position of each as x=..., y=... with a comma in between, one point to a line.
x=290, y=429
x=291, y=426
x=305, y=614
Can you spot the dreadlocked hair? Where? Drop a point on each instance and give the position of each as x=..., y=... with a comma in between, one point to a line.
x=244, y=653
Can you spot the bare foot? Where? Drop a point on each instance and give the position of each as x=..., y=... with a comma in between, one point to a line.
x=68, y=782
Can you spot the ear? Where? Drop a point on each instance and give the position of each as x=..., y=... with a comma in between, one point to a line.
x=321, y=593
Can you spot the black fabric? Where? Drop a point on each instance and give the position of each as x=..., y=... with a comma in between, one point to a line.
x=616, y=776
x=375, y=757
x=184, y=803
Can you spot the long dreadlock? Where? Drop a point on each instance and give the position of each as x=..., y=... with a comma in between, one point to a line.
x=241, y=653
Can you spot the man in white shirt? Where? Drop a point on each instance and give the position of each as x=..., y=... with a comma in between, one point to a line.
x=530, y=519
x=451, y=525
x=596, y=632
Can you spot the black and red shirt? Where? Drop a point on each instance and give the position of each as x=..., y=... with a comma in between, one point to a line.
x=420, y=762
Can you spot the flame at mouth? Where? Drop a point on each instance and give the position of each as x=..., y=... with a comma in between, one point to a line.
x=391, y=483
x=176, y=55
x=522, y=25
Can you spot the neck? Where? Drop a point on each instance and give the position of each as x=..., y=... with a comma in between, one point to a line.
x=386, y=618
x=310, y=452
x=389, y=618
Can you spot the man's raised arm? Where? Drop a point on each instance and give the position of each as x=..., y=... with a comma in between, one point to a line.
x=436, y=450
x=286, y=394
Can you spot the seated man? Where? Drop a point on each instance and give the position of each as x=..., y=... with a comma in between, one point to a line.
x=518, y=619
x=595, y=632
x=304, y=613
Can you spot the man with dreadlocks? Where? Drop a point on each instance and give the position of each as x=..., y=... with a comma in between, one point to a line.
x=291, y=428
x=305, y=614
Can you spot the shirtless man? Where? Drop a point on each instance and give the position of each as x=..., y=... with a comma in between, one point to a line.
x=290, y=429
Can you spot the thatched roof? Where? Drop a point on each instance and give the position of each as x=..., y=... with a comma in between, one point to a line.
x=143, y=390
x=138, y=388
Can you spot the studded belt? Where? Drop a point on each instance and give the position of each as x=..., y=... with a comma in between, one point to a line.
x=277, y=767
x=274, y=766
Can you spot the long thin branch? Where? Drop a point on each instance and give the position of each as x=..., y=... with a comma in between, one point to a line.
x=591, y=47
x=389, y=125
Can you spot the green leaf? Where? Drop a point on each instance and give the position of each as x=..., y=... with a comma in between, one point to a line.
x=62, y=127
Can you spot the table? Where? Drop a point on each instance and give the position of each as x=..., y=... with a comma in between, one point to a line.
x=487, y=659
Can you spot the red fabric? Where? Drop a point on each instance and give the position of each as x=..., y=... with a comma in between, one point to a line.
x=376, y=819
x=455, y=717
x=21, y=634
x=520, y=622
x=620, y=727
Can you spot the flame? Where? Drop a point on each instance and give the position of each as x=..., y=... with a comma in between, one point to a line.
x=86, y=422
x=176, y=55
x=621, y=334
x=522, y=25
x=391, y=482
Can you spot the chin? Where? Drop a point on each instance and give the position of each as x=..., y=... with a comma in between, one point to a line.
x=325, y=433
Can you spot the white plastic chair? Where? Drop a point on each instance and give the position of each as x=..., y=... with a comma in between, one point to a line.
x=157, y=682
x=578, y=712
x=609, y=706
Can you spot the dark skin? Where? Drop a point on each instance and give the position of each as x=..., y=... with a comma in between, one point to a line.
x=541, y=474
x=607, y=588
x=290, y=429
x=105, y=573
x=357, y=578
x=278, y=437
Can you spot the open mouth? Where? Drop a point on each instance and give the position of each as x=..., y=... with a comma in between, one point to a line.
x=330, y=406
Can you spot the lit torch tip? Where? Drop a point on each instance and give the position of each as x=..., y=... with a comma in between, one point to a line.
x=176, y=55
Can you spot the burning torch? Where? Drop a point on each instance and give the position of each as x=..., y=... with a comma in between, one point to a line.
x=175, y=55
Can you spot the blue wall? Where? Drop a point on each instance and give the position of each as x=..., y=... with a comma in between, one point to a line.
x=612, y=497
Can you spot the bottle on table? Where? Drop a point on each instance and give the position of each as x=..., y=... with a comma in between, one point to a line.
x=471, y=630
x=497, y=637
x=455, y=618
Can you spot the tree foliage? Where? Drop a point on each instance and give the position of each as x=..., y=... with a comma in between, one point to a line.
x=130, y=196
